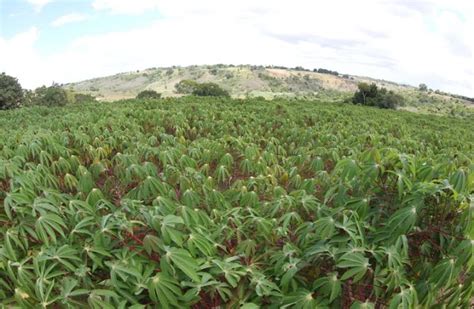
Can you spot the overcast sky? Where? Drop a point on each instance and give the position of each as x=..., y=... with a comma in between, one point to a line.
x=406, y=41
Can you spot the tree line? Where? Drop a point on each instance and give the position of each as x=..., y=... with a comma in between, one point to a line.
x=12, y=95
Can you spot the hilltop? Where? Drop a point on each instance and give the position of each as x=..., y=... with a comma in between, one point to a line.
x=265, y=81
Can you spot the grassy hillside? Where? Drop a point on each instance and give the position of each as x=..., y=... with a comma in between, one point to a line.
x=254, y=81
x=200, y=203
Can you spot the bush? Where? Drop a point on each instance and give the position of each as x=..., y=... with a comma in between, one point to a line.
x=210, y=90
x=50, y=96
x=149, y=94
x=11, y=93
x=186, y=86
x=371, y=95
x=81, y=98
x=423, y=87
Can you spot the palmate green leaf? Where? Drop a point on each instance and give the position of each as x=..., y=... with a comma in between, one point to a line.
x=325, y=227
x=101, y=298
x=69, y=291
x=197, y=242
x=348, y=168
x=43, y=291
x=263, y=286
x=168, y=227
x=400, y=223
x=65, y=255
x=232, y=271
x=406, y=298
x=329, y=286
x=164, y=290
x=458, y=181
x=181, y=259
x=356, y=263
x=152, y=243
x=47, y=225
x=302, y=299
x=444, y=272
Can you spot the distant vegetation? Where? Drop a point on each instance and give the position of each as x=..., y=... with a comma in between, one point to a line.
x=371, y=95
x=209, y=90
x=12, y=95
x=53, y=95
x=186, y=86
x=200, y=89
x=148, y=94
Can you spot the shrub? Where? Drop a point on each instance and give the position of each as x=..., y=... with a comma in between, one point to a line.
x=423, y=87
x=149, y=94
x=209, y=90
x=81, y=98
x=11, y=93
x=186, y=86
x=50, y=96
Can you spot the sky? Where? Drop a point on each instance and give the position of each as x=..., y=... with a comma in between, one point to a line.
x=406, y=41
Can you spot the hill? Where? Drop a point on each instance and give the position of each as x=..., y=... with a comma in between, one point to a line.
x=269, y=82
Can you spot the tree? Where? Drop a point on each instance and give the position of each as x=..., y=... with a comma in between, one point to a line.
x=149, y=94
x=365, y=93
x=423, y=87
x=210, y=89
x=371, y=95
x=11, y=93
x=50, y=96
x=186, y=86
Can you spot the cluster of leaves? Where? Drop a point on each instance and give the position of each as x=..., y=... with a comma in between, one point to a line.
x=239, y=203
x=187, y=86
x=371, y=95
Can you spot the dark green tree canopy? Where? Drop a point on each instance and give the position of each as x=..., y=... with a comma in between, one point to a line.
x=210, y=90
x=371, y=95
x=423, y=87
x=11, y=93
x=149, y=94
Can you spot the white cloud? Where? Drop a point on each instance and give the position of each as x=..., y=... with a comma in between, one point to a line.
x=39, y=4
x=19, y=58
x=69, y=18
x=427, y=41
x=125, y=6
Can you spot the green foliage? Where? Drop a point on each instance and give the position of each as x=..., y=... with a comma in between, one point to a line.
x=237, y=203
x=149, y=94
x=81, y=98
x=187, y=86
x=209, y=90
x=53, y=95
x=11, y=93
x=423, y=87
x=371, y=95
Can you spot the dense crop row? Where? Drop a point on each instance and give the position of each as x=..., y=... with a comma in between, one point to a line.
x=204, y=202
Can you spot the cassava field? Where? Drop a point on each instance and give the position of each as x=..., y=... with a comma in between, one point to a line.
x=201, y=203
